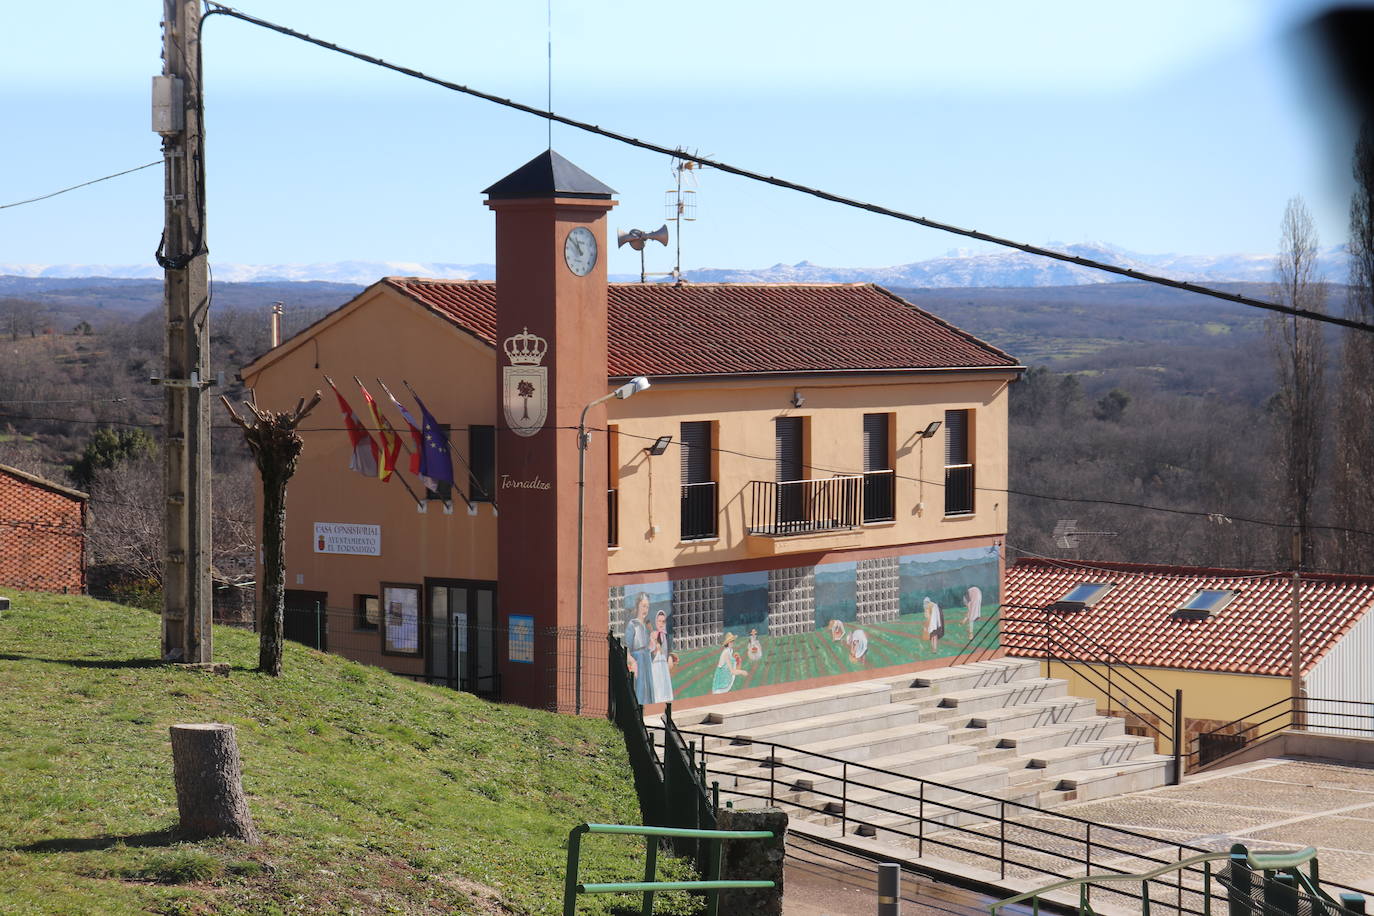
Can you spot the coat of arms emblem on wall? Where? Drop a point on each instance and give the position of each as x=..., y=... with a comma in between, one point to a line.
x=525, y=389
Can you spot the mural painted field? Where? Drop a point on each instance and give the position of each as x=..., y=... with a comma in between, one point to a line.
x=718, y=635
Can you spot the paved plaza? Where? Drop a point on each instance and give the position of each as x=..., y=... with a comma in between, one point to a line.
x=1270, y=804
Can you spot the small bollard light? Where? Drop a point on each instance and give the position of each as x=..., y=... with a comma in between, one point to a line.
x=889, y=889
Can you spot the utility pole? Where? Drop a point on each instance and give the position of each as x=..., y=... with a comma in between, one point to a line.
x=186, y=607
x=1298, y=718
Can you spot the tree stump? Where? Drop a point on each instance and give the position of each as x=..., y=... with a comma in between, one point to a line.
x=209, y=782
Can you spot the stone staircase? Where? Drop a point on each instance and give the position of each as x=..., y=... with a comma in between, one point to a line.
x=992, y=727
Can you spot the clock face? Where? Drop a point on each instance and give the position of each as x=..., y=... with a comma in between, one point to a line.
x=579, y=251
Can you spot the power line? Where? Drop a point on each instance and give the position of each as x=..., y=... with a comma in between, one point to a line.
x=34, y=200
x=681, y=153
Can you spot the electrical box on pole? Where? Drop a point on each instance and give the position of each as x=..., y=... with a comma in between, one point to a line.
x=186, y=608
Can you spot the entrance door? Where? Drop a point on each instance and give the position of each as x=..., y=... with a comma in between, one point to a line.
x=462, y=635
x=305, y=618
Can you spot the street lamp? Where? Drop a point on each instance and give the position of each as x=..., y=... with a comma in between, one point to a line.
x=630, y=388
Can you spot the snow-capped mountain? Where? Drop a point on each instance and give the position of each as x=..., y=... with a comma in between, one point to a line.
x=962, y=268
x=361, y=273
x=958, y=268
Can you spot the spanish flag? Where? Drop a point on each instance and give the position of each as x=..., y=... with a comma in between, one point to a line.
x=391, y=441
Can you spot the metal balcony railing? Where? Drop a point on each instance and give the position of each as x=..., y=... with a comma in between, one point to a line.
x=804, y=506
x=698, y=511
x=959, y=489
x=879, y=496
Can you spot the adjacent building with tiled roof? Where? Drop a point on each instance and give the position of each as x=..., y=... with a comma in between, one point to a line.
x=1225, y=637
x=807, y=462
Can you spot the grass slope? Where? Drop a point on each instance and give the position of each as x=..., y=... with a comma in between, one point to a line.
x=373, y=794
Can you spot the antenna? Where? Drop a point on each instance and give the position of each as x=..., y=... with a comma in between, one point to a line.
x=1066, y=534
x=681, y=205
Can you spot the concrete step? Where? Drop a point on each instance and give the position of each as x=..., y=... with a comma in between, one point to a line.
x=977, y=699
x=963, y=810
x=1035, y=714
x=816, y=729
x=1105, y=752
x=864, y=747
x=941, y=759
x=742, y=715
x=967, y=677
x=1030, y=740
x=1136, y=775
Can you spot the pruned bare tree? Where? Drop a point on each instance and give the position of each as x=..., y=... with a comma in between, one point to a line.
x=273, y=439
x=1353, y=464
x=1299, y=358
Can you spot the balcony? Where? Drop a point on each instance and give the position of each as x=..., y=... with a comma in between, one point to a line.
x=804, y=506
x=698, y=511
x=879, y=496
x=959, y=489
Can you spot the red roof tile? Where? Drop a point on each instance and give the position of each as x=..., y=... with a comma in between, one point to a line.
x=1135, y=620
x=729, y=329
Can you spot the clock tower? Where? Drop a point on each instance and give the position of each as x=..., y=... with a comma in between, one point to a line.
x=551, y=363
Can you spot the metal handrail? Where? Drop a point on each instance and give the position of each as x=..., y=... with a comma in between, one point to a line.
x=771, y=764
x=1065, y=623
x=712, y=886
x=1278, y=861
x=1288, y=709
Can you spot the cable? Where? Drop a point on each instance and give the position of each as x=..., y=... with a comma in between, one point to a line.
x=33, y=200
x=680, y=153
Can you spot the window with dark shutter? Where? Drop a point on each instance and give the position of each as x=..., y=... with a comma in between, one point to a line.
x=877, y=456
x=482, y=457
x=695, y=438
x=959, y=486
x=788, y=440
x=698, y=515
x=878, y=487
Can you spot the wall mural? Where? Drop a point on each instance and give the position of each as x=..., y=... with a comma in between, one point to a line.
x=720, y=634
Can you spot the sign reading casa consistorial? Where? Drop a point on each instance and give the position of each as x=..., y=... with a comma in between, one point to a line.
x=525, y=388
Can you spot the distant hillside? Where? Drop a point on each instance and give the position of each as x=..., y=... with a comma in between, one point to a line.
x=373, y=794
x=115, y=297
x=1133, y=335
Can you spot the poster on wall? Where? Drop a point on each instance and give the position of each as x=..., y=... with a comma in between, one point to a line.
x=521, y=647
x=762, y=628
x=401, y=619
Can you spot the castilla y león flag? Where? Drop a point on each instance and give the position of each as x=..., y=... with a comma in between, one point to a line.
x=364, y=457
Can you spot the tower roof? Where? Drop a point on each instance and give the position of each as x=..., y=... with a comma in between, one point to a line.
x=548, y=175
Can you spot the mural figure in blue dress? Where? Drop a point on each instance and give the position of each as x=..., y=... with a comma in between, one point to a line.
x=637, y=645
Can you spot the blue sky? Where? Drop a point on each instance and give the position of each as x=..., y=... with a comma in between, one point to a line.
x=1167, y=126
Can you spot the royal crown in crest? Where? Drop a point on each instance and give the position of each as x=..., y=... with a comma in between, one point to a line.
x=525, y=349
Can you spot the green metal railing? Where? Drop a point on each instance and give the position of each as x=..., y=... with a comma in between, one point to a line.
x=1280, y=893
x=712, y=885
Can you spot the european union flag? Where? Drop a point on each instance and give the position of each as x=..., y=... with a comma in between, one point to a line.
x=435, y=461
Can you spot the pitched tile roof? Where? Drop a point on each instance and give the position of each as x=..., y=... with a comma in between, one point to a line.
x=1135, y=620
x=729, y=329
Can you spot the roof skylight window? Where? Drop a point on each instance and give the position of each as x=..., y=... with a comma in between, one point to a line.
x=1084, y=594
x=1206, y=602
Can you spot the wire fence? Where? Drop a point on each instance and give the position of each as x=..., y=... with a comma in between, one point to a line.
x=537, y=666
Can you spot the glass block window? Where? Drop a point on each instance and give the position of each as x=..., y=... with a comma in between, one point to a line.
x=791, y=601
x=878, y=590
x=617, y=609
x=698, y=612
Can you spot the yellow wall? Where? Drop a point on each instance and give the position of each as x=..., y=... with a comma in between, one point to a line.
x=379, y=335
x=744, y=412
x=382, y=333
x=1214, y=696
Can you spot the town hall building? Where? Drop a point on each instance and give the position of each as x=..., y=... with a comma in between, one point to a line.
x=755, y=487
